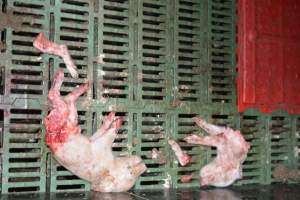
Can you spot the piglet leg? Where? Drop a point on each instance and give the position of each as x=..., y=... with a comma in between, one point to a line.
x=209, y=128
x=110, y=133
x=55, y=122
x=54, y=95
x=59, y=113
x=102, y=143
x=107, y=122
x=70, y=100
x=46, y=46
x=214, y=140
x=182, y=157
x=186, y=178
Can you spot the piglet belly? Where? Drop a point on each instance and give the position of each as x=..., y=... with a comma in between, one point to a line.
x=76, y=155
x=220, y=175
x=227, y=178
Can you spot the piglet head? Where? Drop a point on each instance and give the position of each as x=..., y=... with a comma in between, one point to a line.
x=127, y=170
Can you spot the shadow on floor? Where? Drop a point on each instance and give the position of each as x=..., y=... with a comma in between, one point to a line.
x=255, y=192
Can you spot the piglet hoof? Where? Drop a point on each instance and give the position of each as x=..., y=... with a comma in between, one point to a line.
x=185, y=159
x=186, y=178
x=192, y=139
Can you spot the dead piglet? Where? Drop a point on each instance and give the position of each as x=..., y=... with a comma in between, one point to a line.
x=232, y=151
x=88, y=158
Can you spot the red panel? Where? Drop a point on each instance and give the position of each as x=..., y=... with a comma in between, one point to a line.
x=269, y=55
x=292, y=74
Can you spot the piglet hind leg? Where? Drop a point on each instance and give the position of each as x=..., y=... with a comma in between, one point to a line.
x=107, y=123
x=102, y=140
x=59, y=111
x=71, y=99
x=55, y=122
x=109, y=135
x=54, y=94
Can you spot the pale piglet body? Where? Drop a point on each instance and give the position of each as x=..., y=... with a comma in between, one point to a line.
x=232, y=151
x=76, y=155
x=91, y=158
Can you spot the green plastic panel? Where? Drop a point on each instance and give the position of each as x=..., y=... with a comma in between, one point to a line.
x=157, y=63
x=221, y=51
x=24, y=152
x=280, y=138
x=252, y=127
x=24, y=88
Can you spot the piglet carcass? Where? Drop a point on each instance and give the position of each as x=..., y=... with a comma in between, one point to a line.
x=46, y=46
x=232, y=151
x=91, y=158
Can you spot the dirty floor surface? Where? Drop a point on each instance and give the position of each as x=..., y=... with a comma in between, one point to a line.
x=273, y=192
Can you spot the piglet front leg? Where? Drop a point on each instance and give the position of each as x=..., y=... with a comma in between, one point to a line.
x=182, y=157
x=209, y=128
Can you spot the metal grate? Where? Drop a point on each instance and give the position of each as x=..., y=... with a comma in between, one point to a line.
x=224, y=118
x=24, y=72
x=222, y=51
x=188, y=40
x=280, y=139
x=151, y=133
x=153, y=48
x=112, y=51
x=252, y=124
x=24, y=161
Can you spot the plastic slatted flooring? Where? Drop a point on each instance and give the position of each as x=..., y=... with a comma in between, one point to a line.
x=156, y=63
